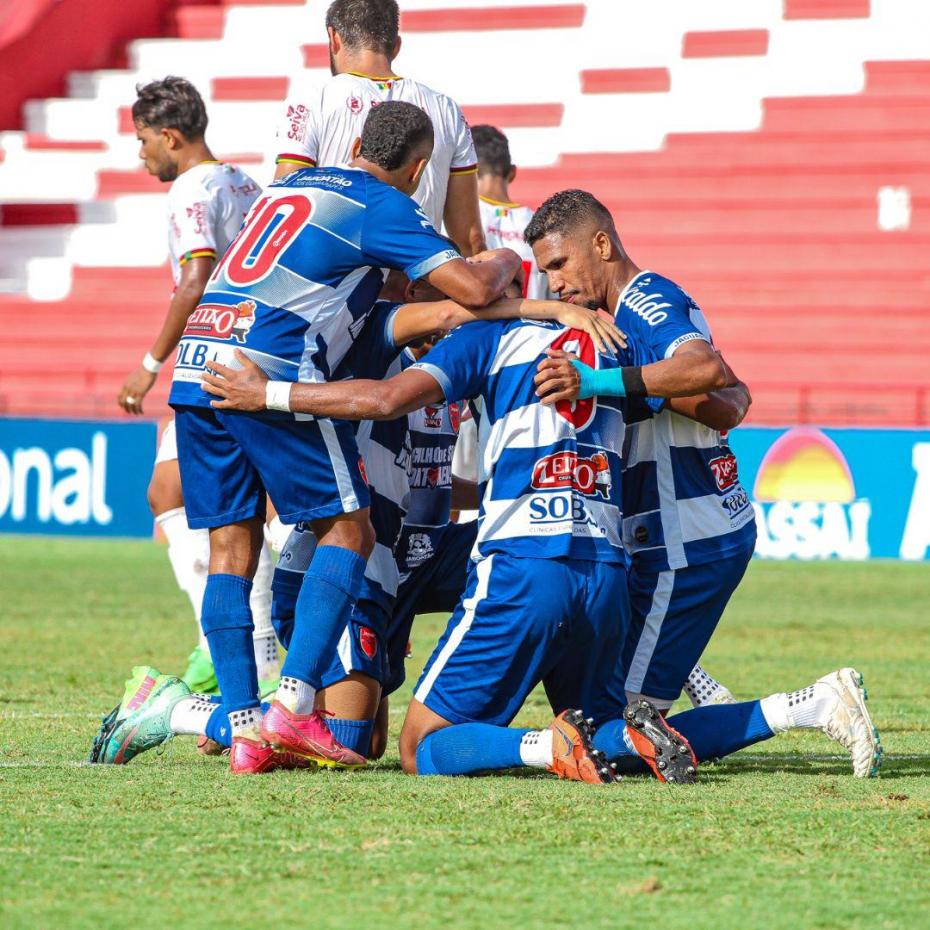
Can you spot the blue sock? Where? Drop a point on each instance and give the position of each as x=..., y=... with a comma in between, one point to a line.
x=353, y=734
x=226, y=620
x=285, y=588
x=467, y=748
x=327, y=596
x=721, y=729
x=218, y=728
x=713, y=732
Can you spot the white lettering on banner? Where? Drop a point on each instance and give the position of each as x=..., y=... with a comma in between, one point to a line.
x=810, y=530
x=916, y=537
x=69, y=489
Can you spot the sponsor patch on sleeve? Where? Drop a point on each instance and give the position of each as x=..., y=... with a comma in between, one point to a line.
x=681, y=340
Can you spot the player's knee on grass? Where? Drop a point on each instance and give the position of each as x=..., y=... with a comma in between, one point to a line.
x=164, y=490
x=418, y=724
x=379, y=737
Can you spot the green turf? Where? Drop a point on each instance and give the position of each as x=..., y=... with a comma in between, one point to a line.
x=782, y=837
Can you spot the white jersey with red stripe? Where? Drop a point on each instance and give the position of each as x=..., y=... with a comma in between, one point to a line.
x=323, y=120
x=504, y=225
x=206, y=207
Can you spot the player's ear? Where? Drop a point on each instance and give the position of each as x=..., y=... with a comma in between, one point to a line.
x=603, y=246
x=335, y=41
x=356, y=147
x=511, y=174
x=170, y=139
x=396, y=50
x=418, y=170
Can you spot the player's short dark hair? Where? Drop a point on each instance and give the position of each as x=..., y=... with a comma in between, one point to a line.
x=563, y=212
x=370, y=24
x=493, y=150
x=172, y=103
x=393, y=132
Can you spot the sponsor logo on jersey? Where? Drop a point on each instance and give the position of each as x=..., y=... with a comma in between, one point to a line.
x=355, y=105
x=724, y=471
x=220, y=321
x=297, y=121
x=646, y=305
x=455, y=416
x=432, y=417
x=368, y=641
x=419, y=548
x=590, y=476
x=198, y=213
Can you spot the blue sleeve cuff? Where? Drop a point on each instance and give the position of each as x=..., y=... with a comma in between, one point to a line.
x=439, y=375
x=421, y=269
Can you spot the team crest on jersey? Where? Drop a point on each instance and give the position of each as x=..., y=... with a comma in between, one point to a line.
x=419, y=547
x=368, y=641
x=354, y=104
x=579, y=413
x=455, y=416
x=220, y=321
x=432, y=417
x=590, y=476
x=724, y=470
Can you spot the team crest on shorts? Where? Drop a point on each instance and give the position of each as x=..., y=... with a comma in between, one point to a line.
x=368, y=641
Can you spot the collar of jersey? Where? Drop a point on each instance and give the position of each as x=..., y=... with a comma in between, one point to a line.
x=497, y=203
x=371, y=77
x=629, y=284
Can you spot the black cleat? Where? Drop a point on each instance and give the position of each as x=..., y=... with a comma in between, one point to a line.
x=660, y=746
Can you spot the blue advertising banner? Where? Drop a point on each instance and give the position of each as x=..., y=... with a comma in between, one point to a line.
x=837, y=493
x=75, y=477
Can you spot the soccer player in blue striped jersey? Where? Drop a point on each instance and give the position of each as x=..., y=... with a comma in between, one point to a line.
x=545, y=598
x=687, y=523
x=293, y=291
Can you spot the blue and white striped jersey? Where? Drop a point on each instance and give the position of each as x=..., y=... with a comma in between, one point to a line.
x=683, y=502
x=549, y=476
x=294, y=288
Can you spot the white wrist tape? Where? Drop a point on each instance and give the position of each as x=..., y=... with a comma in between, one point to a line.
x=278, y=396
x=151, y=364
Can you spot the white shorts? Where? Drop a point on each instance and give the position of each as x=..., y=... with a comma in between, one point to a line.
x=168, y=445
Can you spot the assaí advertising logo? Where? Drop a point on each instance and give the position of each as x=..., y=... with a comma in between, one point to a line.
x=805, y=501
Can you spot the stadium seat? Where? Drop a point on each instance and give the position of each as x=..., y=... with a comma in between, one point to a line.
x=781, y=175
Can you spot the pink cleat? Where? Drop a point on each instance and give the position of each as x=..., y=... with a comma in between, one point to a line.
x=307, y=736
x=251, y=757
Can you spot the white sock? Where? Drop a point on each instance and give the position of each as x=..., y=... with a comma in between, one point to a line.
x=190, y=715
x=808, y=708
x=265, y=643
x=246, y=722
x=296, y=695
x=189, y=555
x=536, y=749
x=701, y=687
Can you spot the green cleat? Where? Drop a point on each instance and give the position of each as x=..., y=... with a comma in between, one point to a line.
x=200, y=675
x=141, y=720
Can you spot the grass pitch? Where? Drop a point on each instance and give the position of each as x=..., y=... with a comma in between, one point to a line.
x=780, y=836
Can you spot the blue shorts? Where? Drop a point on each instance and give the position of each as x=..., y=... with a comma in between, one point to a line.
x=520, y=622
x=675, y=613
x=361, y=647
x=433, y=587
x=310, y=468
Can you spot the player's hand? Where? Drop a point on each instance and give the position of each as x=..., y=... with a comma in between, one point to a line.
x=488, y=255
x=598, y=325
x=136, y=386
x=239, y=388
x=556, y=378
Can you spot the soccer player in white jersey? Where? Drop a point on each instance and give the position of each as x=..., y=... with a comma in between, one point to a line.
x=323, y=120
x=207, y=202
x=503, y=221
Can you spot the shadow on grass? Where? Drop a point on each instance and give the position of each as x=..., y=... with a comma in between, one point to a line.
x=905, y=766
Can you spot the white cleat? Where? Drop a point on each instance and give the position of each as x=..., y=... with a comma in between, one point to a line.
x=850, y=724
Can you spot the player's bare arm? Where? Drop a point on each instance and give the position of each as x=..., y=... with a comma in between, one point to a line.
x=719, y=410
x=247, y=389
x=695, y=368
x=194, y=276
x=461, y=215
x=416, y=320
x=464, y=494
x=476, y=284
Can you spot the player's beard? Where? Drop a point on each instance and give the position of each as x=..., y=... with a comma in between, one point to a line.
x=167, y=171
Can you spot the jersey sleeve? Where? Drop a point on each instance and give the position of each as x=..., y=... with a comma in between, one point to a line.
x=374, y=351
x=666, y=329
x=462, y=361
x=298, y=135
x=396, y=233
x=464, y=158
x=194, y=220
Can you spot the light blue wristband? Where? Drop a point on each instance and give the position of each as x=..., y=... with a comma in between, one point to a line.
x=599, y=381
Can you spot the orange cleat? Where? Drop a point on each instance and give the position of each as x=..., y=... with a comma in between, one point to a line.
x=573, y=756
x=307, y=736
x=660, y=746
